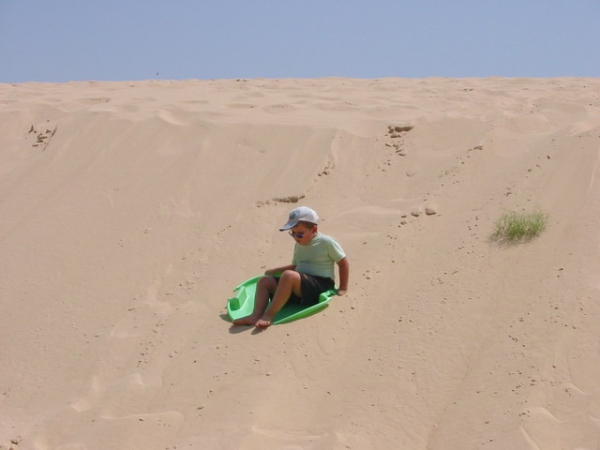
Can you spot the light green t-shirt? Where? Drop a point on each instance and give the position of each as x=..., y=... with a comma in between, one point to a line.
x=318, y=256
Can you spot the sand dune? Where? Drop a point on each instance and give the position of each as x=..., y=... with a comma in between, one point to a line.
x=129, y=211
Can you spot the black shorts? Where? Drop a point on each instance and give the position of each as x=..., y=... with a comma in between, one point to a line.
x=311, y=286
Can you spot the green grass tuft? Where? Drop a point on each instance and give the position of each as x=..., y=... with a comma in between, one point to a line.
x=517, y=227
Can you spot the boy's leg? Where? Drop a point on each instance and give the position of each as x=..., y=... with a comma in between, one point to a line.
x=289, y=283
x=265, y=287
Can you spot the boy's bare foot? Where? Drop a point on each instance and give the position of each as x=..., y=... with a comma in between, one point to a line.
x=248, y=320
x=264, y=322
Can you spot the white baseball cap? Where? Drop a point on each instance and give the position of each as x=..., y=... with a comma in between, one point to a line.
x=300, y=214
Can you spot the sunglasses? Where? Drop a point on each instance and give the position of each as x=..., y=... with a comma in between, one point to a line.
x=296, y=235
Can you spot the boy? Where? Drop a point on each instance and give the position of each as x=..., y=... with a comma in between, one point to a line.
x=310, y=273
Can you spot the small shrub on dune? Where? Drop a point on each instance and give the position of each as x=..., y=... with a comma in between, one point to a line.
x=517, y=227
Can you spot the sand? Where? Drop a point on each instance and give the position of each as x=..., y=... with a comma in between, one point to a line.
x=129, y=211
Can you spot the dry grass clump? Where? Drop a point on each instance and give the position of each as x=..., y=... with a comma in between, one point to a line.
x=517, y=227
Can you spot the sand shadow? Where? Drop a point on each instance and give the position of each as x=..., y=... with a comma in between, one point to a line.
x=239, y=329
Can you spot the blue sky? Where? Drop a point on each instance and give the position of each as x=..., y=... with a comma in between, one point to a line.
x=110, y=40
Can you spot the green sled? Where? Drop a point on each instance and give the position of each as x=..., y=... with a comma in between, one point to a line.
x=242, y=304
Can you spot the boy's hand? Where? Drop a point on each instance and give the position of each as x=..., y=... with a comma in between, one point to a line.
x=344, y=268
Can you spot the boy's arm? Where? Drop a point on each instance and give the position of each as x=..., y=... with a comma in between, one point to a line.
x=279, y=270
x=344, y=269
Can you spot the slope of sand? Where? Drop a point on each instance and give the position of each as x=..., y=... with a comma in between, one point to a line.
x=129, y=211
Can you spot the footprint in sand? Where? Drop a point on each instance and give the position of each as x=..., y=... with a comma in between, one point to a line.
x=94, y=101
x=279, y=108
x=42, y=139
x=394, y=138
x=396, y=133
x=240, y=106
